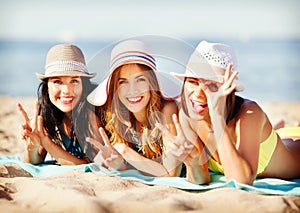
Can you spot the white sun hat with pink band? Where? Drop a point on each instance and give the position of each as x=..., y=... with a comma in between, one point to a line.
x=65, y=60
x=208, y=56
x=131, y=52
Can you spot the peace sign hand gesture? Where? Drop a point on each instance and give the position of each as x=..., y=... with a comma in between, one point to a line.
x=179, y=146
x=107, y=156
x=32, y=129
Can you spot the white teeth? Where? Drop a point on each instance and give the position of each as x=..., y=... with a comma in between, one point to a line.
x=196, y=103
x=66, y=99
x=134, y=99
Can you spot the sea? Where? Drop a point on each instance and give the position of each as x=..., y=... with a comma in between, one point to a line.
x=268, y=68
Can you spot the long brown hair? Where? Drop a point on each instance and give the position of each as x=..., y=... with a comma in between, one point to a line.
x=119, y=120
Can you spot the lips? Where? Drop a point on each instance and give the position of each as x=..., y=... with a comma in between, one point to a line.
x=135, y=100
x=66, y=99
x=198, y=107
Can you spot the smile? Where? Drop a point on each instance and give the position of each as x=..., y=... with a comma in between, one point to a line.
x=135, y=100
x=66, y=99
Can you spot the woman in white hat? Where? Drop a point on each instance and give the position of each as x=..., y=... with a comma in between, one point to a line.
x=133, y=104
x=62, y=117
x=232, y=134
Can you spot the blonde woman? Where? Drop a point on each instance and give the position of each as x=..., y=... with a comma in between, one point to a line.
x=133, y=105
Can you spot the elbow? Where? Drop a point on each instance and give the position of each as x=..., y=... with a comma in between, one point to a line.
x=247, y=177
x=199, y=179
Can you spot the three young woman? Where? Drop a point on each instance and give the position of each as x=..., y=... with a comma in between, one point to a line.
x=216, y=130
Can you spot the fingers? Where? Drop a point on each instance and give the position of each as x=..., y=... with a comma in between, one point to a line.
x=23, y=113
x=177, y=124
x=229, y=86
x=35, y=115
x=228, y=71
x=163, y=129
x=40, y=125
x=95, y=143
x=105, y=137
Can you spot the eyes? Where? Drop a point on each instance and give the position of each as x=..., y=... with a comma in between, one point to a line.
x=140, y=79
x=211, y=85
x=61, y=81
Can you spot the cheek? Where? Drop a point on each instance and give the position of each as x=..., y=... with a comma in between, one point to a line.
x=187, y=90
x=78, y=90
x=143, y=86
x=121, y=91
x=52, y=91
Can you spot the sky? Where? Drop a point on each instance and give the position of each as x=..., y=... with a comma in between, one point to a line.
x=70, y=20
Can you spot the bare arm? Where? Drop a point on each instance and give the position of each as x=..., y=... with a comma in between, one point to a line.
x=238, y=153
x=172, y=164
x=196, y=162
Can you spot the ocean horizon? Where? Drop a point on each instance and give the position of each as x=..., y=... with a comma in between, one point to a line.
x=269, y=68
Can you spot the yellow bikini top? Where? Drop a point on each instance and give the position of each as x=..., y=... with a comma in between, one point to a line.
x=265, y=153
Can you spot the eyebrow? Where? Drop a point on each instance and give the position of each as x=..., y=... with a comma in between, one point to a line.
x=138, y=76
x=60, y=77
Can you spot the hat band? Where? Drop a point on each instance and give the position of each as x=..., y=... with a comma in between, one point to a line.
x=133, y=56
x=65, y=66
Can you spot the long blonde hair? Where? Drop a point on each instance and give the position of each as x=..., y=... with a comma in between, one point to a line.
x=120, y=120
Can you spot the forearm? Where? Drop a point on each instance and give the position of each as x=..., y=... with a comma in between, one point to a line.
x=235, y=166
x=197, y=174
x=143, y=164
x=33, y=156
x=62, y=156
x=172, y=165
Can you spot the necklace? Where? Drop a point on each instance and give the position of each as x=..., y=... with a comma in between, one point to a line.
x=135, y=136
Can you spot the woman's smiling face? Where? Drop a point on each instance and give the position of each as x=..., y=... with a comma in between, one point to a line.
x=65, y=92
x=195, y=98
x=134, y=88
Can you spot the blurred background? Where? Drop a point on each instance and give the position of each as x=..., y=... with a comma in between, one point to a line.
x=264, y=34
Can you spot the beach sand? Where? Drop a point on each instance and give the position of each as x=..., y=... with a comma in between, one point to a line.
x=75, y=191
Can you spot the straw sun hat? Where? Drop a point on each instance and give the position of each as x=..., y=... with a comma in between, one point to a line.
x=207, y=56
x=65, y=60
x=131, y=52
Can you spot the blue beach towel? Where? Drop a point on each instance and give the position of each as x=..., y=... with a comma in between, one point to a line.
x=272, y=186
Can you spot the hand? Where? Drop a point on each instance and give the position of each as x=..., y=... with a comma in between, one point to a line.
x=179, y=146
x=107, y=156
x=31, y=129
x=216, y=99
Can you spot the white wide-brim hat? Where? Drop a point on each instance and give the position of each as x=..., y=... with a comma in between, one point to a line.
x=206, y=61
x=133, y=52
x=65, y=60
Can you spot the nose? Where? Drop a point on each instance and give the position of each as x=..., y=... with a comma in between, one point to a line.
x=199, y=92
x=65, y=88
x=132, y=88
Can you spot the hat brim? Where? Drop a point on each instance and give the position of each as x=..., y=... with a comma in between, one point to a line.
x=65, y=73
x=98, y=96
x=239, y=86
x=170, y=89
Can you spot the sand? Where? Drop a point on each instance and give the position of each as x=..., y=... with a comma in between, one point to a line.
x=76, y=191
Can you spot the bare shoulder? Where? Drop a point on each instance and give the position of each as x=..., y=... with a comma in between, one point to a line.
x=251, y=110
x=170, y=108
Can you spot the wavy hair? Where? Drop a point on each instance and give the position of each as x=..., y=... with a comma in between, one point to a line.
x=52, y=116
x=119, y=120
